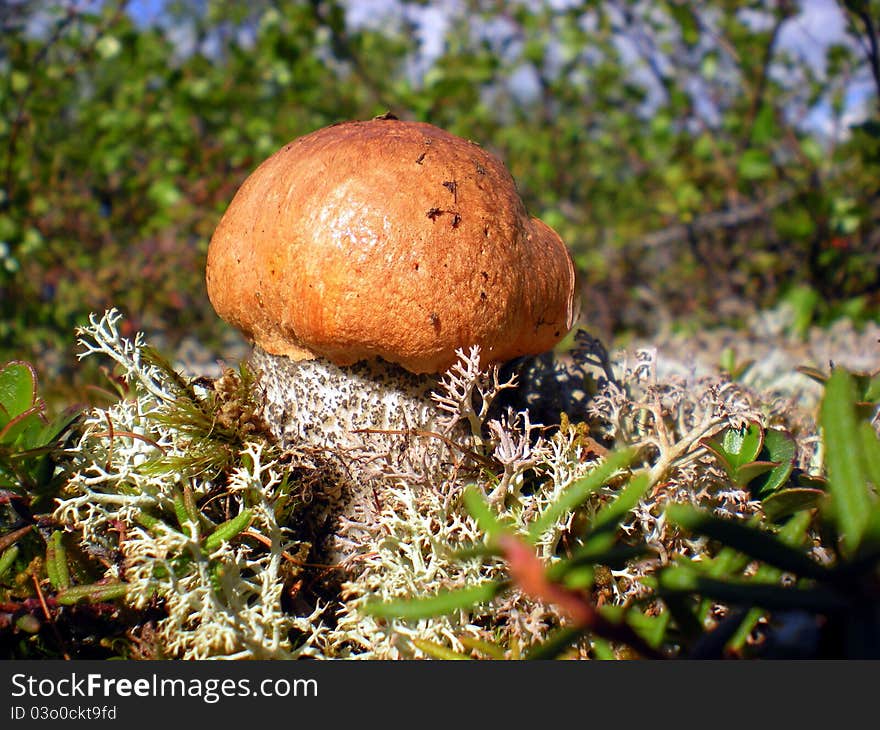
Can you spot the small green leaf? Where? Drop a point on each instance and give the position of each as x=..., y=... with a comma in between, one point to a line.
x=745, y=474
x=28, y=623
x=443, y=603
x=650, y=628
x=787, y=502
x=181, y=515
x=742, y=446
x=7, y=559
x=480, y=510
x=747, y=539
x=779, y=447
x=580, y=490
x=482, y=647
x=56, y=562
x=226, y=531
x=612, y=514
x=804, y=300
x=23, y=428
x=736, y=449
x=603, y=650
x=846, y=478
x=764, y=129
x=18, y=390
x=870, y=452
x=755, y=165
x=94, y=593
x=769, y=596
x=438, y=651
x=579, y=578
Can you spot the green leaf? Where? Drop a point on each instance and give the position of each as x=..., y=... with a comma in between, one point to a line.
x=56, y=562
x=737, y=448
x=846, y=478
x=870, y=451
x=602, y=649
x=755, y=165
x=747, y=539
x=770, y=596
x=438, y=651
x=7, y=558
x=764, y=131
x=787, y=502
x=18, y=390
x=227, y=530
x=650, y=628
x=612, y=514
x=580, y=490
x=804, y=300
x=480, y=510
x=94, y=593
x=793, y=533
x=23, y=428
x=482, y=647
x=742, y=446
x=794, y=221
x=745, y=474
x=779, y=447
x=443, y=603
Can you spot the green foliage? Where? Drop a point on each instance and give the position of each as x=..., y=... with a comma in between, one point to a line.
x=835, y=597
x=54, y=583
x=754, y=457
x=217, y=420
x=121, y=146
x=567, y=581
x=762, y=570
x=28, y=438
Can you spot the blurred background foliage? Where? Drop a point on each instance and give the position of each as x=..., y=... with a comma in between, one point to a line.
x=670, y=143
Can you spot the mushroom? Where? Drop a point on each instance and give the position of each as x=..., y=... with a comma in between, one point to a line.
x=359, y=258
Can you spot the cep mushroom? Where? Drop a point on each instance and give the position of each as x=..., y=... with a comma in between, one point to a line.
x=360, y=257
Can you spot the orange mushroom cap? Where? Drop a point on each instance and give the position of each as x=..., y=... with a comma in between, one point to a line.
x=389, y=239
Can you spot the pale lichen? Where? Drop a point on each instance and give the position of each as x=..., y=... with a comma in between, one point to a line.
x=390, y=455
x=219, y=602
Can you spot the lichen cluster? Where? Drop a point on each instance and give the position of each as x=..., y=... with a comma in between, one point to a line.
x=155, y=524
x=132, y=496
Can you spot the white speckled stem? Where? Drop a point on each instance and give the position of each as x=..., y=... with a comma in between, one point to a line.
x=357, y=421
x=316, y=403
